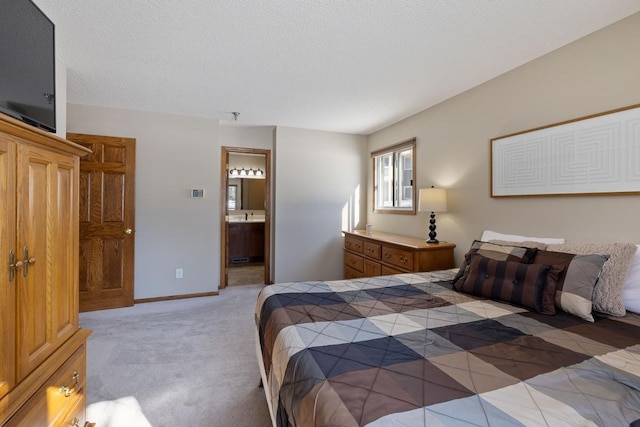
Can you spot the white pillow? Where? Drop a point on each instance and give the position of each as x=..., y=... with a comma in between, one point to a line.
x=631, y=289
x=488, y=235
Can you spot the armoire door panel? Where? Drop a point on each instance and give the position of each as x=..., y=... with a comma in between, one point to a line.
x=45, y=225
x=64, y=320
x=33, y=340
x=7, y=244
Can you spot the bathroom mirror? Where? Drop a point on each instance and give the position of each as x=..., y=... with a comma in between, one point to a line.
x=246, y=194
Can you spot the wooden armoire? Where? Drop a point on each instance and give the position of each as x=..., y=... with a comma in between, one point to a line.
x=42, y=348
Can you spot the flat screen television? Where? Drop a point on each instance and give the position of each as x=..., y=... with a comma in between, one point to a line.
x=27, y=64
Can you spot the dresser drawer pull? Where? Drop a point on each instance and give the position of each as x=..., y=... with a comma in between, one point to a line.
x=403, y=259
x=387, y=255
x=68, y=391
x=76, y=423
x=352, y=261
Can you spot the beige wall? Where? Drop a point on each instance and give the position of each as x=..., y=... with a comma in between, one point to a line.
x=246, y=136
x=318, y=189
x=177, y=153
x=61, y=99
x=597, y=73
x=173, y=155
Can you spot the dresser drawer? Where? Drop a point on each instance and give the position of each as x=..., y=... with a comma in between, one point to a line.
x=57, y=397
x=397, y=257
x=372, y=268
x=388, y=271
x=353, y=261
x=354, y=244
x=350, y=273
x=76, y=416
x=372, y=250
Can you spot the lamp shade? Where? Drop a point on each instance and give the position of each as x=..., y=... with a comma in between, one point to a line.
x=432, y=200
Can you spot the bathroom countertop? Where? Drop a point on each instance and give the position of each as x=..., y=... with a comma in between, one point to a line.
x=234, y=220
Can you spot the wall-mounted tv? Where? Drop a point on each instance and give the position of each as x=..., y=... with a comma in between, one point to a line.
x=27, y=64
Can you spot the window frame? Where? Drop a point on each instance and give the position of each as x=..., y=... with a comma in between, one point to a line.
x=396, y=149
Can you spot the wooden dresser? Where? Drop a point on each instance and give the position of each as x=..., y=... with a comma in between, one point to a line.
x=381, y=254
x=42, y=348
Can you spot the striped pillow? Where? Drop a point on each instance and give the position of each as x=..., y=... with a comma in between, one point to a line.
x=495, y=251
x=513, y=282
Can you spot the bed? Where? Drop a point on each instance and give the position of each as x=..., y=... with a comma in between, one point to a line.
x=424, y=350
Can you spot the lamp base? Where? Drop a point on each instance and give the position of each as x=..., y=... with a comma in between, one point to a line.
x=432, y=229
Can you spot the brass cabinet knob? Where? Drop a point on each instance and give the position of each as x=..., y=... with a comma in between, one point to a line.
x=28, y=260
x=68, y=391
x=128, y=231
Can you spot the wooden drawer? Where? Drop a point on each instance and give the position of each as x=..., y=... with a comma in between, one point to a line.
x=372, y=268
x=353, y=261
x=77, y=415
x=50, y=405
x=387, y=271
x=398, y=258
x=350, y=273
x=436, y=260
x=354, y=244
x=372, y=250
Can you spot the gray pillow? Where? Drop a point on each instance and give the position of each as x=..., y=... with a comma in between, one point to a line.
x=607, y=294
x=576, y=280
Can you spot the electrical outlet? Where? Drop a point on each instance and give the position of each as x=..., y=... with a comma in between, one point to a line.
x=178, y=273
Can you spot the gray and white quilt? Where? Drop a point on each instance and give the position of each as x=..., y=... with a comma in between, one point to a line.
x=407, y=350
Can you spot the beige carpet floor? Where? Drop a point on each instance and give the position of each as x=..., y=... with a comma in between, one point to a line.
x=186, y=362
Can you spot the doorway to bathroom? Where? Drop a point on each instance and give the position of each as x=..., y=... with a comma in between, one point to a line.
x=245, y=227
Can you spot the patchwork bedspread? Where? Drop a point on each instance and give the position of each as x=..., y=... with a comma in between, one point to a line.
x=407, y=350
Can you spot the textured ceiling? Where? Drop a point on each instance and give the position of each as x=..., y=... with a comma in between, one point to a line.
x=351, y=66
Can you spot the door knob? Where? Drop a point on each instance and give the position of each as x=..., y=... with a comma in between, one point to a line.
x=128, y=231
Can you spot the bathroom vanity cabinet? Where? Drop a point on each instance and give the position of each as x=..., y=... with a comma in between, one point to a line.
x=245, y=241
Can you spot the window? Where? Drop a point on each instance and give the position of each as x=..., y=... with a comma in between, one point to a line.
x=394, y=178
